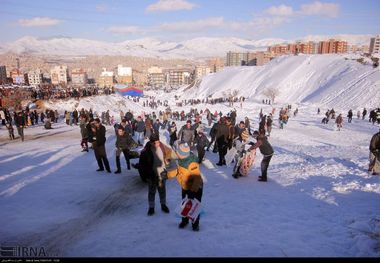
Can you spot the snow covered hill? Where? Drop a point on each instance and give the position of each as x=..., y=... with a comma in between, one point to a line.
x=150, y=47
x=330, y=80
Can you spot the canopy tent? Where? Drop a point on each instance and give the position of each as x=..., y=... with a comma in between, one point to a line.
x=123, y=90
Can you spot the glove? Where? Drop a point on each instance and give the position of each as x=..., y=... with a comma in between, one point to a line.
x=229, y=145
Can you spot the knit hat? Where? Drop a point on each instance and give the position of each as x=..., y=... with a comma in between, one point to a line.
x=183, y=151
x=245, y=135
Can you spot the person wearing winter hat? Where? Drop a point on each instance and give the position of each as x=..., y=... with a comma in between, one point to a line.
x=266, y=150
x=240, y=144
x=190, y=180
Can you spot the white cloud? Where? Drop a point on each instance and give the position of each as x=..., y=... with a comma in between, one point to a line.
x=281, y=10
x=170, y=5
x=39, y=22
x=322, y=9
x=124, y=30
x=193, y=26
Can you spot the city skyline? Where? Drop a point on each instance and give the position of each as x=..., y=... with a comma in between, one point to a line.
x=177, y=20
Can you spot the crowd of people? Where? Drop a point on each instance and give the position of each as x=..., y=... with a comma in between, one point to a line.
x=188, y=144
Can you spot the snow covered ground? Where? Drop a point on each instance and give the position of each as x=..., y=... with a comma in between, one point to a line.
x=330, y=80
x=319, y=200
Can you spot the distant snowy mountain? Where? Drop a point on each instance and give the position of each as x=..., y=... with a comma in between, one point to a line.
x=150, y=47
x=331, y=80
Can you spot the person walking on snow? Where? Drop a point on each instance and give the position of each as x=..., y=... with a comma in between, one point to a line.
x=374, y=154
x=266, y=150
x=339, y=122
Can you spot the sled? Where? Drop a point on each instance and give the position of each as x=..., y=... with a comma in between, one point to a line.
x=247, y=162
x=189, y=208
x=230, y=155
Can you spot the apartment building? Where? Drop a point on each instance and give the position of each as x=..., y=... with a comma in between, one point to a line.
x=237, y=59
x=59, y=75
x=156, y=77
x=259, y=58
x=216, y=64
x=332, y=46
x=374, y=45
x=79, y=77
x=278, y=49
x=106, y=78
x=17, y=76
x=35, y=77
x=201, y=71
x=124, y=75
x=3, y=75
x=178, y=76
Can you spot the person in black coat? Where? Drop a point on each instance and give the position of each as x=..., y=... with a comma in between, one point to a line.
x=224, y=137
x=99, y=146
x=172, y=133
x=20, y=124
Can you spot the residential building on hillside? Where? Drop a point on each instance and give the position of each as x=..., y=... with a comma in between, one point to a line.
x=35, y=77
x=59, y=75
x=374, y=45
x=106, y=78
x=124, y=75
x=156, y=77
x=178, y=76
x=3, y=75
x=79, y=77
x=201, y=71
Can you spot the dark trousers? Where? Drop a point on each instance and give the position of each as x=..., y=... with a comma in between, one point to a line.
x=172, y=140
x=20, y=131
x=264, y=166
x=84, y=144
x=101, y=156
x=222, y=149
x=201, y=154
x=192, y=195
x=154, y=185
x=212, y=140
x=126, y=156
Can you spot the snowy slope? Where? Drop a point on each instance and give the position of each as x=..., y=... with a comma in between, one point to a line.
x=330, y=80
x=319, y=200
x=99, y=104
x=150, y=47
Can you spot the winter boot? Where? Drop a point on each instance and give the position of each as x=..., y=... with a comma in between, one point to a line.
x=151, y=211
x=184, y=222
x=118, y=165
x=165, y=209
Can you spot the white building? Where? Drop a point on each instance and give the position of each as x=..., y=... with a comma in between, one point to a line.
x=59, y=75
x=179, y=76
x=374, y=45
x=124, y=71
x=156, y=77
x=35, y=77
x=201, y=71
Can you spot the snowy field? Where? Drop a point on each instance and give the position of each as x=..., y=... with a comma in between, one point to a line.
x=319, y=200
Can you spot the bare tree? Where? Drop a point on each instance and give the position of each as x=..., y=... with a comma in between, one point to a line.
x=271, y=93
